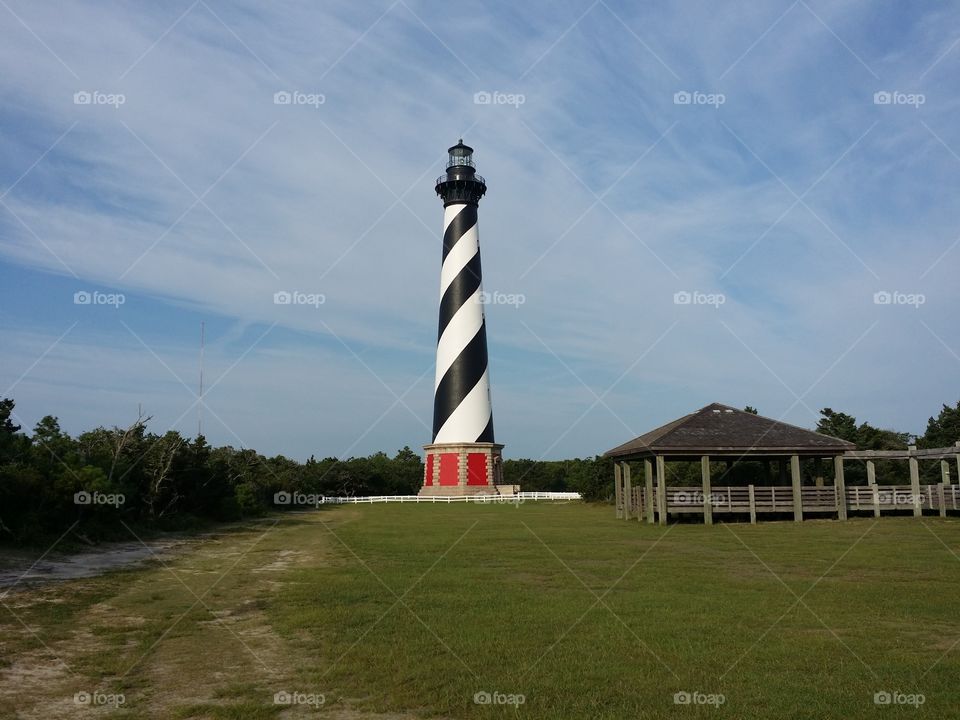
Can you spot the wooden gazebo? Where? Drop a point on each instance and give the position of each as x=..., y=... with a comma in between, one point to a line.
x=721, y=433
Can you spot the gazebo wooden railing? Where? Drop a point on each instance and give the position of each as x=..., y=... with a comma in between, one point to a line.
x=655, y=503
x=754, y=500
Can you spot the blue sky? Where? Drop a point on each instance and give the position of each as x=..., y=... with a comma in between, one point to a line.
x=781, y=199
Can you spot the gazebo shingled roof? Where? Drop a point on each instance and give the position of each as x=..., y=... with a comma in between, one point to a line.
x=720, y=430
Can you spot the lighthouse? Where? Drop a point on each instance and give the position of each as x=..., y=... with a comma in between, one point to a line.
x=462, y=458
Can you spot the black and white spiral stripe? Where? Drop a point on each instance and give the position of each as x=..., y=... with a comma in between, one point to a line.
x=461, y=404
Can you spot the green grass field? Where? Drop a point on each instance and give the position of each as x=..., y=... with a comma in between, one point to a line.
x=410, y=611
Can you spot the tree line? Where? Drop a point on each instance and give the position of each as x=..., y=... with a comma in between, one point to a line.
x=105, y=478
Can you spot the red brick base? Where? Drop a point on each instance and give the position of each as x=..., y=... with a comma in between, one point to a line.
x=462, y=469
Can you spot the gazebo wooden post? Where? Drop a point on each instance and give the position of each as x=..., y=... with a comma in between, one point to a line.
x=797, y=491
x=617, y=492
x=872, y=484
x=840, y=487
x=915, y=482
x=957, y=444
x=638, y=492
x=627, y=491
x=662, y=488
x=707, y=500
x=648, y=478
x=753, y=505
x=945, y=472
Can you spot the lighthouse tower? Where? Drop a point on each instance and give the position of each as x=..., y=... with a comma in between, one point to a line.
x=463, y=458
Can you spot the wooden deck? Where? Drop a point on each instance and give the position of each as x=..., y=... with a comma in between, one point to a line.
x=758, y=500
x=647, y=499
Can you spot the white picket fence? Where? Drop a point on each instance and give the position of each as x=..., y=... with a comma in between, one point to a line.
x=481, y=499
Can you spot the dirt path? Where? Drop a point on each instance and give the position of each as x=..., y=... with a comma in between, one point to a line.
x=21, y=569
x=188, y=636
